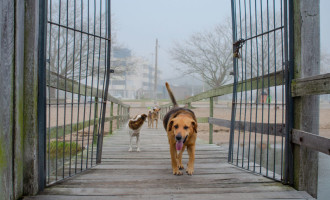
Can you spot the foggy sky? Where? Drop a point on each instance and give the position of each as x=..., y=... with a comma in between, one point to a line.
x=139, y=22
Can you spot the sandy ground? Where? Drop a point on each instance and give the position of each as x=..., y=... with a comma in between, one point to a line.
x=66, y=114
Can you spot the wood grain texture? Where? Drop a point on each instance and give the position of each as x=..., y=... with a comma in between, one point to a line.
x=306, y=108
x=250, y=84
x=311, y=141
x=7, y=100
x=58, y=81
x=315, y=85
x=271, y=129
x=148, y=175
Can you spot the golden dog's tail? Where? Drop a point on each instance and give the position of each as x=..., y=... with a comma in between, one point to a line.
x=170, y=93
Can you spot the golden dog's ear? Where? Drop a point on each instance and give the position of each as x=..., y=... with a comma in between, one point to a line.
x=169, y=126
x=194, y=125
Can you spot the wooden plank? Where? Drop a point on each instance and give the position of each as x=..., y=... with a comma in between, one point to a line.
x=202, y=120
x=30, y=102
x=210, y=196
x=7, y=64
x=311, y=141
x=315, y=85
x=19, y=97
x=228, y=89
x=274, y=129
x=306, y=20
x=148, y=174
x=53, y=78
x=211, y=125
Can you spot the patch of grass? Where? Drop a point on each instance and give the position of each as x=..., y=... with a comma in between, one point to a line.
x=63, y=146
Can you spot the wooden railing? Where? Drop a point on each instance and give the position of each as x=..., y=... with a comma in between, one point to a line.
x=87, y=146
x=251, y=84
x=314, y=85
x=58, y=82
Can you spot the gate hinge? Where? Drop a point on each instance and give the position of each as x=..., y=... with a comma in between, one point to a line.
x=236, y=46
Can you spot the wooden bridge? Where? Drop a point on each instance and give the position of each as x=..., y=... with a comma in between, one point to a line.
x=49, y=104
x=148, y=175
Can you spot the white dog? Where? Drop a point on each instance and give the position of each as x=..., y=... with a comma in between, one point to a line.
x=135, y=126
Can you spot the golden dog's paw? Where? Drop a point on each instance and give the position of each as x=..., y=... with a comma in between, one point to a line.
x=190, y=171
x=177, y=172
x=181, y=167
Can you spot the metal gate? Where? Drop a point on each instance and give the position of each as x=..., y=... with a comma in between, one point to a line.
x=260, y=49
x=77, y=79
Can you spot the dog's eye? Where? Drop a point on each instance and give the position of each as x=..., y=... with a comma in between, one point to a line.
x=185, y=127
x=176, y=126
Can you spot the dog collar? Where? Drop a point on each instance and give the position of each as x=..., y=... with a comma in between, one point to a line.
x=185, y=139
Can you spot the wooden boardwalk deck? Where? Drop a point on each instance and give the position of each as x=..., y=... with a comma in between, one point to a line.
x=148, y=175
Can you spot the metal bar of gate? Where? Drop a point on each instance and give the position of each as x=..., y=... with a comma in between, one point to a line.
x=263, y=24
x=99, y=155
x=75, y=26
x=42, y=94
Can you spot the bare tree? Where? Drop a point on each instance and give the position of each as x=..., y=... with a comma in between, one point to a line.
x=325, y=62
x=207, y=55
x=80, y=54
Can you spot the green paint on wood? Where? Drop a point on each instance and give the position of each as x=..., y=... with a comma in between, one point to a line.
x=250, y=84
x=111, y=115
x=3, y=160
x=211, y=125
x=203, y=120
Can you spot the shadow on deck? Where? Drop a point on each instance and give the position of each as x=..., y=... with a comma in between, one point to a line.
x=148, y=175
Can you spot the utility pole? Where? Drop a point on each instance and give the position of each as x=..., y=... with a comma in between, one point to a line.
x=155, y=83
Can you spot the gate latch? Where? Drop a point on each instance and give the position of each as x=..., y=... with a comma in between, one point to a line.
x=237, y=46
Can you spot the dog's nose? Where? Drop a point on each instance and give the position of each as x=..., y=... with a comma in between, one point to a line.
x=178, y=137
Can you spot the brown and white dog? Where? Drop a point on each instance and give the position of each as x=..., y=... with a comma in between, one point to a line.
x=181, y=128
x=153, y=116
x=135, y=126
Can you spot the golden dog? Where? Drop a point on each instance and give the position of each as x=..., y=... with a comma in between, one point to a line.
x=153, y=116
x=181, y=128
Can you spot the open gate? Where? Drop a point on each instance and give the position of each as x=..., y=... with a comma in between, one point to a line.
x=258, y=134
x=78, y=42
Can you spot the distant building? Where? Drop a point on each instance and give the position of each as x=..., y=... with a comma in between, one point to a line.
x=132, y=84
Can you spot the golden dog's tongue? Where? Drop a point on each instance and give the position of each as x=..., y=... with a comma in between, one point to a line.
x=179, y=145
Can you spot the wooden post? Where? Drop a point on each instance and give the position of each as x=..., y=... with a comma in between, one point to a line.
x=7, y=106
x=111, y=115
x=96, y=117
x=118, y=108
x=33, y=172
x=211, y=125
x=128, y=113
x=306, y=109
x=121, y=115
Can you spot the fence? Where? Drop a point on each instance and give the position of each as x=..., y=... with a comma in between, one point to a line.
x=77, y=77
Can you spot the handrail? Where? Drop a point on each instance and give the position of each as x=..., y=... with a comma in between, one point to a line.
x=251, y=84
x=122, y=111
x=314, y=85
x=52, y=82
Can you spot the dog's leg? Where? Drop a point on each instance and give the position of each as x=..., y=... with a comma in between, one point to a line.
x=175, y=167
x=179, y=160
x=138, y=142
x=156, y=123
x=130, y=144
x=190, y=166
